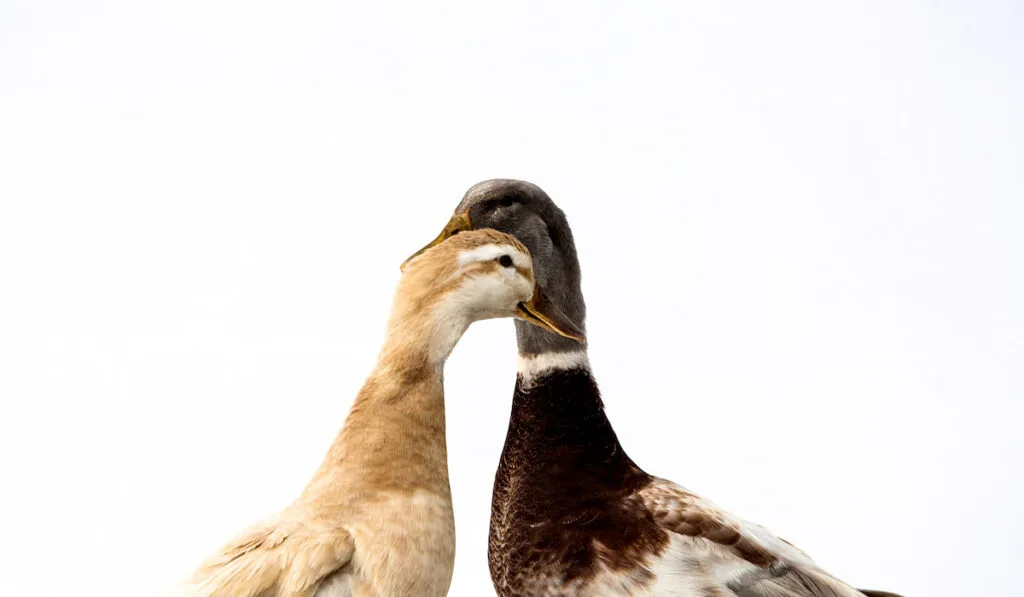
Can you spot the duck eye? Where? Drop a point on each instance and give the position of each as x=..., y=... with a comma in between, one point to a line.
x=505, y=261
x=506, y=202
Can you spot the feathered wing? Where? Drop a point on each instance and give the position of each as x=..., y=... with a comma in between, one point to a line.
x=735, y=557
x=274, y=558
x=799, y=582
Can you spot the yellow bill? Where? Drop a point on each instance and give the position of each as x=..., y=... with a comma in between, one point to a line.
x=543, y=313
x=458, y=223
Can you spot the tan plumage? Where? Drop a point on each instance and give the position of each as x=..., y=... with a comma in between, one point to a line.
x=376, y=518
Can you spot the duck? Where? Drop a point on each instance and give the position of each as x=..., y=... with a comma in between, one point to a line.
x=571, y=513
x=376, y=518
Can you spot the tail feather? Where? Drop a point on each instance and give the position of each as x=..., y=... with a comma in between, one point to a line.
x=868, y=593
x=799, y=582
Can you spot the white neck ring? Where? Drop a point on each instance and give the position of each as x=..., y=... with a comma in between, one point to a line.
x=535, y=365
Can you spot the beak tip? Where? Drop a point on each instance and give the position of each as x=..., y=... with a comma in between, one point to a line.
x=577, y=336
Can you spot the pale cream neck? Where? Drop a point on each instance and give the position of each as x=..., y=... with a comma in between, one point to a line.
x=394, y=436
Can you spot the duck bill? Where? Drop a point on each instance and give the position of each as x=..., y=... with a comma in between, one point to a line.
x=543, y=313
x=458, y=223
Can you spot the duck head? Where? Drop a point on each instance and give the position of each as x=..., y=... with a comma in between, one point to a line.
x=476, y=275
x=523, y=210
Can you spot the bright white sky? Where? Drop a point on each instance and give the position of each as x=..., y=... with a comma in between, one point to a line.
x=799, y=225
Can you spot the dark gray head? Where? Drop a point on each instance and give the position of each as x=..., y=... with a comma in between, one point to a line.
x=526, y=212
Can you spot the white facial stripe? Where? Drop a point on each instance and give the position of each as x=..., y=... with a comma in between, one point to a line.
x=486, y=296
x=533, y=366
x=492, y=252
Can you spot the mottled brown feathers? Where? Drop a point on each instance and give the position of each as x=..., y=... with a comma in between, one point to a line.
x=570, y=507
x=679, y=511
x=572, y=515
x=561, y=501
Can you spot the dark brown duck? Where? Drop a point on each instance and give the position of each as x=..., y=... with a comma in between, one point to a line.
x=571, y=513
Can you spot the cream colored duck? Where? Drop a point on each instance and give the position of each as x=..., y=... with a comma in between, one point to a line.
x=572, y=515
x=376, y=519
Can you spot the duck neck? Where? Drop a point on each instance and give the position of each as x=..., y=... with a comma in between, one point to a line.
x=558, y=427
x=394, y=436
x=557, y=405
x=555, y=390
x=421, y=336
x=410, y=367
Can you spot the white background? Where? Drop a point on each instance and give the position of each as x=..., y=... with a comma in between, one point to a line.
x=799, y=226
